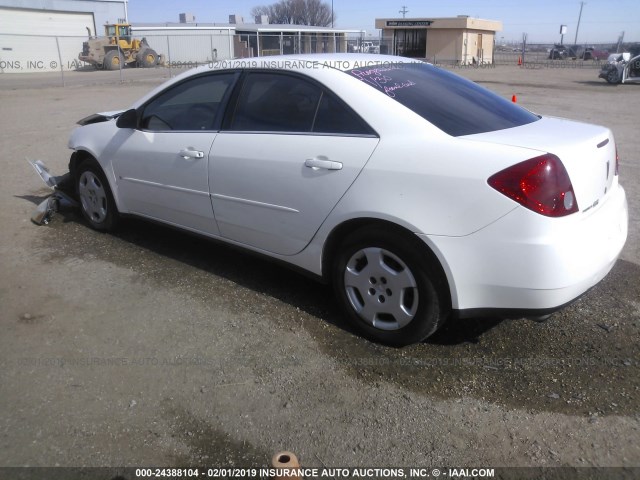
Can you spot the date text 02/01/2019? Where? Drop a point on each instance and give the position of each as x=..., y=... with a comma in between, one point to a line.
x=309, y=473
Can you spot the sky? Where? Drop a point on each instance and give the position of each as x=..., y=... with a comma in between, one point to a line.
x=602, y=20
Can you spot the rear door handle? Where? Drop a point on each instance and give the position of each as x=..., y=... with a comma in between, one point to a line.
x=191, y=153
x=317, y=163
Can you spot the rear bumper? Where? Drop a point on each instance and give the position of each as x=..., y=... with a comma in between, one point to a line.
x=527, y=264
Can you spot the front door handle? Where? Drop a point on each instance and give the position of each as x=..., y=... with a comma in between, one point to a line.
x=317, y=163
x=191, y=153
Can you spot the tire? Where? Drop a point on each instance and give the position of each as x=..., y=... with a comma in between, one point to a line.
x=389, y=287
x=96, y=199
x=612, y=76
x=147, y=58
x=113, y=59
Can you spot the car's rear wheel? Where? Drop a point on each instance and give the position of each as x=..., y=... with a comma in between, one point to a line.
x=389, y=287
x=96, y=200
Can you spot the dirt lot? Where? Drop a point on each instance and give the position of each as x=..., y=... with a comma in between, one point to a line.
x=150, y=347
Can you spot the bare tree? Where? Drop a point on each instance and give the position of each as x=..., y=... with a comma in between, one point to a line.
x=317, y=13
x=298, y=12
x=281, y=12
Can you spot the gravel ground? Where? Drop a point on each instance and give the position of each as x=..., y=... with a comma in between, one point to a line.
x=152, y=347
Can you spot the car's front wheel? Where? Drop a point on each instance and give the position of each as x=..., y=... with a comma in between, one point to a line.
x=389, y=287
x=612, y=76
x=96, y=200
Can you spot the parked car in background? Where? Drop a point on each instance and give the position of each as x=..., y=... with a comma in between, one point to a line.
x=593, y=53
x=367, y=47
x=560, y=52
x=575, y=52
x=419, y=195
x=621, y=68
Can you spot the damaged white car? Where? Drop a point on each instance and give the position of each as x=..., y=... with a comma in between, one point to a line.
x=621, y=68
x=418, y=194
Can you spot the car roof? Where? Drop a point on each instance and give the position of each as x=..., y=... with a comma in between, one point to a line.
x=326, y=62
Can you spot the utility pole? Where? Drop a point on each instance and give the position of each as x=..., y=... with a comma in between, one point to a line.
x=575, y=40
x=620, y=40
x=404, y=11
x=331, y=13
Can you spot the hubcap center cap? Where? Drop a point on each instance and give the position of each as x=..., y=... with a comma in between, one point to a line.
x=379, y=290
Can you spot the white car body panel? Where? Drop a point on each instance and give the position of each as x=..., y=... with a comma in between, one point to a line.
x=587, y=151
x=626, y=73
x=255, y=190
x=265, y=196
x=95, y=139
x=156, y=181
x=427, y=196
x=571, y=254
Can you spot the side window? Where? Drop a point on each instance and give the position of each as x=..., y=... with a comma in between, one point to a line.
x=334, y=116
x=192, y=105
x=272, y=102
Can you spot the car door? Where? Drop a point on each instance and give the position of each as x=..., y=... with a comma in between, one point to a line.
x=631, y=72
x=288, y=153
x=161, y=167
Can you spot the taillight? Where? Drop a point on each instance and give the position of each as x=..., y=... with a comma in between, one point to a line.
x=617, y=161
x=540, y=184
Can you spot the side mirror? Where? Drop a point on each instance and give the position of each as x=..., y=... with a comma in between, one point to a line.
x=128, y=119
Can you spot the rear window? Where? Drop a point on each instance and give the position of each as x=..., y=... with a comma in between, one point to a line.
x=453, y=104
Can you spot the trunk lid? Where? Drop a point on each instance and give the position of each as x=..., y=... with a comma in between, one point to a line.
x=588, y=152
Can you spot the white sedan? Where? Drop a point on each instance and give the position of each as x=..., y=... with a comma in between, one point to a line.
x=418, y=194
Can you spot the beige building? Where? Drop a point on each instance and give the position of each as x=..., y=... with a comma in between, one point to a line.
x=461, y=40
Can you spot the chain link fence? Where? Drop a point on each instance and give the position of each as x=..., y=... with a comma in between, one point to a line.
x=175, y=52
x=554, y=55
x=57, y=58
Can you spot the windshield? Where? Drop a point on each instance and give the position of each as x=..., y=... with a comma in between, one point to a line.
x=453, y=104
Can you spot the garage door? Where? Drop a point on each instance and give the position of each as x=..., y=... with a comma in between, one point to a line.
x=38, y=22
x=28, y=43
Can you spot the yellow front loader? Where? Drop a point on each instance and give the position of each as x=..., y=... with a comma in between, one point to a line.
x=117, y=48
